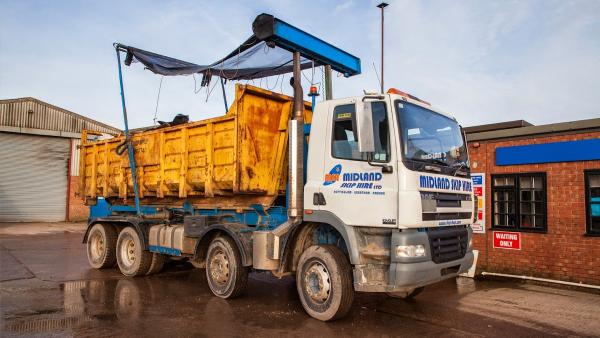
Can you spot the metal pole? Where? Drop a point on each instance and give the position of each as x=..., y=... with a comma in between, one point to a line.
x=129, y=145
x=382, y=5
x=224, y=96
x=296, y=146
x=328, y=85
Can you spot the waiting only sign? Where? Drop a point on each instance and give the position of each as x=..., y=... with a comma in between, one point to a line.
x=507, y=240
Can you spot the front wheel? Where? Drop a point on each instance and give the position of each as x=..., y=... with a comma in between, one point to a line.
x=324, y=282
x=226, y=276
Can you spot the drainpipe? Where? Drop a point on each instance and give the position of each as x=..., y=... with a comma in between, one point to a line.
x=67, y=215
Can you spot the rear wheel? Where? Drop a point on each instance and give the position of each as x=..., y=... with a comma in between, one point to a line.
x=133, y=260
x=101, y=246
x=324, y=282
x=226, y=276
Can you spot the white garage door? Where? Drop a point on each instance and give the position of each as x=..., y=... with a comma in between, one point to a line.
x=33, y=178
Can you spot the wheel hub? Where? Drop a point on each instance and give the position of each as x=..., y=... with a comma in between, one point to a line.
x=317, y=282
x=219, y=268
x=97, y=246
x=128, y=252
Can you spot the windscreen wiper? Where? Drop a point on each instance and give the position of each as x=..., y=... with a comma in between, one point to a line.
x=426, y=164
x=459, y=167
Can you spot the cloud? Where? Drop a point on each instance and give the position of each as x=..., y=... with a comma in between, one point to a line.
x=343, y=6
x=481, y=61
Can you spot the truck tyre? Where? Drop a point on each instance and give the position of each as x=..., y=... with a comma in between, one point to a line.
x=101, y=246
x=157, y=264
x=324, y=282
x=226, y=276
x=133, y=260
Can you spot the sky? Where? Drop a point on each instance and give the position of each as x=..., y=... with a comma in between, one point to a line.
x=481, y=61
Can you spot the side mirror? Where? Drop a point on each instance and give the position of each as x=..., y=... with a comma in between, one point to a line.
x=364, y=127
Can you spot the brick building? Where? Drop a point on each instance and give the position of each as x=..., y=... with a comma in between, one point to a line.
x=39, y=161
x=540, y=192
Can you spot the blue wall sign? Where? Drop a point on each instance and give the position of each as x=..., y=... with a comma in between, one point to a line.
x=570, y=151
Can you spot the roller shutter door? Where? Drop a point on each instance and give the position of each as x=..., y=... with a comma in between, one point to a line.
x=33, y=178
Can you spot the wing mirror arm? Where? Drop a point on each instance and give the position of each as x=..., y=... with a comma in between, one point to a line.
x=385, y=168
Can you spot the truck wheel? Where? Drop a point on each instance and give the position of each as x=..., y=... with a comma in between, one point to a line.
x=157, y=264
x=407, y=295
x=324, y=282
x=133, y=260
x=226, y=276
x=101, y=246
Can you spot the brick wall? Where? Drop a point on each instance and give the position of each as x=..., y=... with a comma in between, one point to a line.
x=77, y=210
x=564, y=252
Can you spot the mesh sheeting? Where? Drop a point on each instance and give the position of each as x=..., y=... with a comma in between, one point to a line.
x=251, y=60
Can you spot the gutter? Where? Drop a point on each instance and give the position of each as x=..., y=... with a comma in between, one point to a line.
x=546, y=280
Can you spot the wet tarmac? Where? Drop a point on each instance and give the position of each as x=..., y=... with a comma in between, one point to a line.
x=47, y=289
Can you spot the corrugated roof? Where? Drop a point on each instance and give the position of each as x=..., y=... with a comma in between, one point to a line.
x=31, y=113
x=581, y=126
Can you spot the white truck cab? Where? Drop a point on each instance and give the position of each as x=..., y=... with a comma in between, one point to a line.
x=391, y=174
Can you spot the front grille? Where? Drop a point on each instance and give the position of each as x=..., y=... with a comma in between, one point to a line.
x=448, y=244
x=441, y=216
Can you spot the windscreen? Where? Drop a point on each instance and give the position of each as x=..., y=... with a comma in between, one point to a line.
x=428, y=136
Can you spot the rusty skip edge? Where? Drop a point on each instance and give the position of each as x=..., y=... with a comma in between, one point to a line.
x=232, y=161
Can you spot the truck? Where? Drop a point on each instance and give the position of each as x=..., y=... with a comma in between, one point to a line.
x=370, y=193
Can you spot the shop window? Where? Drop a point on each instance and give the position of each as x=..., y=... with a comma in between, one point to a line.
x=519, y=202
x=592, y=201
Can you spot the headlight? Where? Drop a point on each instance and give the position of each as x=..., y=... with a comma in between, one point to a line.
x=470, y=243
x=410, y=250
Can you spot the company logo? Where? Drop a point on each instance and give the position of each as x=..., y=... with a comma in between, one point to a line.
x=333, y=175
x=361, y=177
x=444, y=183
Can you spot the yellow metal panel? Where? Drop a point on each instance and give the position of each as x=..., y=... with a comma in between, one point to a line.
x=230, y=161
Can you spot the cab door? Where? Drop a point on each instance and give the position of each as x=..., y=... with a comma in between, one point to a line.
x=356, y=187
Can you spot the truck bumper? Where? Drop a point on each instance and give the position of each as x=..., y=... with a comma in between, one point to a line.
x=402, y=277
x=402, y=274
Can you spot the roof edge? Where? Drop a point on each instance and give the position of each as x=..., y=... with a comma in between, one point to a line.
x=29, y=98
x=579, y=126
x=497, y=126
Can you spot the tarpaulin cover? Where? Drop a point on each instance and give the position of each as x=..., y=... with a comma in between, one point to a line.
x=251, y=60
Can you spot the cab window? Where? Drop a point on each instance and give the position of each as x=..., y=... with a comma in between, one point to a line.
x=345, y=144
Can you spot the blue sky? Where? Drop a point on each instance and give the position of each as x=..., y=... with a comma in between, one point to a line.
x=482, y=61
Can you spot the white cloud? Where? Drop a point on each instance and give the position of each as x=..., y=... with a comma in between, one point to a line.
x=483, y=61
x=343, y=6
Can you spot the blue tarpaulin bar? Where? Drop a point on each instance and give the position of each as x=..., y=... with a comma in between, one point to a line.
x=268, y=52
x=267, y=27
